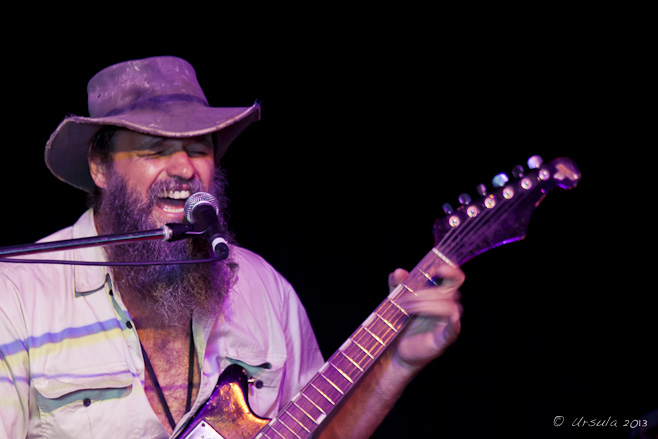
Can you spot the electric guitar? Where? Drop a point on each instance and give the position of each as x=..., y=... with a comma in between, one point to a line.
x=498, y=217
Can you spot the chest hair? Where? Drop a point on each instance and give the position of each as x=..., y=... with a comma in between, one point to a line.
x=169, y=353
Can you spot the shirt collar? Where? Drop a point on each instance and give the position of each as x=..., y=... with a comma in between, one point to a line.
x=89, y=278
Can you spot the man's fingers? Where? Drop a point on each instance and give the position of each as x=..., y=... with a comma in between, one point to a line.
x=443, y=276
x=396, y=278
x=437, y=302
x=450, y=276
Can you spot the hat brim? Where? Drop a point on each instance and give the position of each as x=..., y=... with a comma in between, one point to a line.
x=66, y=153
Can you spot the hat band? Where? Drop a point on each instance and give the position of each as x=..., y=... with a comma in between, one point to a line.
x=156, y=101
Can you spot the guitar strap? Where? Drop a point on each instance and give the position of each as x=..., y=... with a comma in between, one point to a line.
x=158, y=389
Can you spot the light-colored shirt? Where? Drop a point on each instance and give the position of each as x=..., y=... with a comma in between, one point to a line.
x=71, y=366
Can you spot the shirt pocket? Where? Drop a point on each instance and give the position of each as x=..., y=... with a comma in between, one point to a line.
x=74, y=402
x=265, y=373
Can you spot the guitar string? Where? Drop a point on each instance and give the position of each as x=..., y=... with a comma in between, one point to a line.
x=478, y=223
x=455, y=230
x=386, y=305
x=451, y=245
x=460, y=247
x=362, y=366
x=451, y=238
x=463, y=229
x=503, y=210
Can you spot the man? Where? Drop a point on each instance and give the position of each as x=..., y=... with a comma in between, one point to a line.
x=135, y=350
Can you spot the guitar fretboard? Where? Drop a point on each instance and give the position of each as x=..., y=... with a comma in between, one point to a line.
x=299, y=418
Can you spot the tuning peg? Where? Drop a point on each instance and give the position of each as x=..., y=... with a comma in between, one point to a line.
x=500, y=180
x=535, y=162
x=517, y=171
x=482, y=190
x=465, y=199
x=447, y=208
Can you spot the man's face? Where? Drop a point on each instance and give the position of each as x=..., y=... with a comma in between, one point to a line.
x=169, y=166
x=144, y=187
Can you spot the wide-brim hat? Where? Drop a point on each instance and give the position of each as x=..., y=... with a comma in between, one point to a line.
x=159, y=96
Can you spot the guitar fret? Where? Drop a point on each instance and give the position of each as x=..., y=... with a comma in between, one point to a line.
x=279, y=421
x=315, y=405
x=374, y=336
x=276, y=431
x=354, y=363
x=360, y=351
x=305, y=413
x=397, y=306
x=394, y=316
x=427, y=276
x=290, y=415
x=383, y=331
x=323, y=394
x=357, y=363
x=369, y=343
x=372, y=346
x=407, y=288
x=342, y=373
x=350, y=359
x=387, y=322
x=327, y=387
x=332, y=383
x=336, y=377
x=363, y=349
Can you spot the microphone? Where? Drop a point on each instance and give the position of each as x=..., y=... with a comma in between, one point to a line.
x=202, y=210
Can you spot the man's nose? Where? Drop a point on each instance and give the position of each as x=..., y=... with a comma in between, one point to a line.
x=180, y=165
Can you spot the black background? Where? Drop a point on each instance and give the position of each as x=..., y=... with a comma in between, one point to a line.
x=370, y=122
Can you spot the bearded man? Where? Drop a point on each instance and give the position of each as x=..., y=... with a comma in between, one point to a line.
x=135, y=350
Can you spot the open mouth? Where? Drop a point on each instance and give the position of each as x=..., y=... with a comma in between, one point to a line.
x=173, y=201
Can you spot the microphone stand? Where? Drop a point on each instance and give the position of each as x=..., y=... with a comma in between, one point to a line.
x=168, y=232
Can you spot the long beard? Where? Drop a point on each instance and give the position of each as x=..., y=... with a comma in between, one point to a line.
x=174, y=291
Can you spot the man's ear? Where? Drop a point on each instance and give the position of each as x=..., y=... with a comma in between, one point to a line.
x=98, y=171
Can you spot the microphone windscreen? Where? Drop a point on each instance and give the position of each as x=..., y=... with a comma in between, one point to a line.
x=198, y=199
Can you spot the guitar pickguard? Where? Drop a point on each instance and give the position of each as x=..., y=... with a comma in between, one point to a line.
x=226, y=414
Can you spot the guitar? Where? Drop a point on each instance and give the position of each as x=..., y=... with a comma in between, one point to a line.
x=498, y=217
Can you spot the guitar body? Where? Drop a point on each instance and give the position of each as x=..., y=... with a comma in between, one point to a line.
x=226, y=414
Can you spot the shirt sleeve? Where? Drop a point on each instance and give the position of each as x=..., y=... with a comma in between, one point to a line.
x=14, y=364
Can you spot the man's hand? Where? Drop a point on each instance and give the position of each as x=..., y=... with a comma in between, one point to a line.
x=436, y=324
x=434, y=327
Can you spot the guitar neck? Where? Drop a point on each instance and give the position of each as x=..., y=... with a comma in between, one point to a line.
x=498, y=218
x=304, y=413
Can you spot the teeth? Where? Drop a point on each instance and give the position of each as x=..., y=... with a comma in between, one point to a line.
x=176, y=195
x=172, y=209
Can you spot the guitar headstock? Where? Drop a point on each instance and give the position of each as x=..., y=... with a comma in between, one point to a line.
x=502, y=215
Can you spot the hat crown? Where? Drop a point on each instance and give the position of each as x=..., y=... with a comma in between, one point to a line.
x=157, y=96
x=131, y=84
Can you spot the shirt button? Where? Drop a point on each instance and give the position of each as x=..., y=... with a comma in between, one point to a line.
x=129, y=325
x=86, y=402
